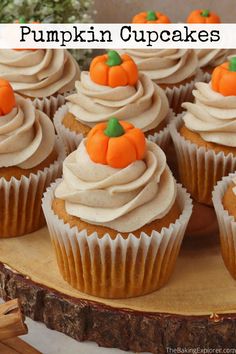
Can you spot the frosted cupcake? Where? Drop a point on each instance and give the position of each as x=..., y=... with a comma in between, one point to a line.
x=113, y=87
x=44, y=75
x=224, y=200
x=117, y=217
x=208, y=59
x=173, y=69
x=205, y=137
x=30, y=159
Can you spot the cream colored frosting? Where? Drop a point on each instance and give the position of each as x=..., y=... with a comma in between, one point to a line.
x=144, y=105
x=122, y=199
x=27, y=136
x=213, y=115
x=212, y=57
x=39, y=73
x=165, y=66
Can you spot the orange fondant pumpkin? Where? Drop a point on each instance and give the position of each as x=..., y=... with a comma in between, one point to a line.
x=7, y=97
x=115, y=143
x=113, y=70
x=203, y=16
x=150, y=17
x=223, y=78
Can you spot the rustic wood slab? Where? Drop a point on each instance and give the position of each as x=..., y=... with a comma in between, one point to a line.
x=16, y=346
x=197, y=308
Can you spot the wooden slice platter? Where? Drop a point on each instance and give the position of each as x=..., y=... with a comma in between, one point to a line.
x=197, y=308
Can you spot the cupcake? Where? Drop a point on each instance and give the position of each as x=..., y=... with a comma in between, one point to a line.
x=208, y=58
x=30, y=159
x=224, y=200
x=43, y=75
x=204, y=137
x=117, y=217
x=113, y=87
x=175, y=70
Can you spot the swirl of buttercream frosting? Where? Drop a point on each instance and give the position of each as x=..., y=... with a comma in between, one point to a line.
x=27, y=136
x=39, y=73
x=144, y=105
x=165, y=66
x=212, y=57
x=122, y=199
x=213, y=115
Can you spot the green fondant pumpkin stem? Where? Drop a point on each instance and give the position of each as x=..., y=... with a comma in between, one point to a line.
x=151, y=16
x=205, y=13
x=113, y=58
x=232, y=64
x=21, y=19
x=114, y=128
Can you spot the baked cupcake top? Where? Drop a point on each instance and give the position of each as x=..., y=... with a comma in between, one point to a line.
x=27, y=135
x=117, y=179
x=39, y=73
x=98, y=96
x=165, y=66
x=213, y=115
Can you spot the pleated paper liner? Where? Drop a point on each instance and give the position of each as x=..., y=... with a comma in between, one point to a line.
x=50, y=105
x=20, y=202
x=116, y=268
x=182, y=93
x=199, y=169
x=72, y=139
x=227, y=225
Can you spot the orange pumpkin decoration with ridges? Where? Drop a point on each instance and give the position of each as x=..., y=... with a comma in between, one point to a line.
x=203, y=16
x=7, y=97
x=113, y=70
x=150, y=17
x=223, y=78
x=115, y=143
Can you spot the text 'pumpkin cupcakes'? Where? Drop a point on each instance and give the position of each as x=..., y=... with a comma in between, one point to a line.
x=224, y=200
x=208, y=58
x=113, y=87
x=117, y=217
x=30, y=159
x=204, y=137
x=45, y=76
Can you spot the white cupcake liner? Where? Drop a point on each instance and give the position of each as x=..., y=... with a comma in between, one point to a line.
x=163, y=138
x=115, y=268
x=227, y=225
x=199, y=169
x=183, y=93
x=206, y=77
x=72, y=139
x=50, y=105
x=20, y=202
